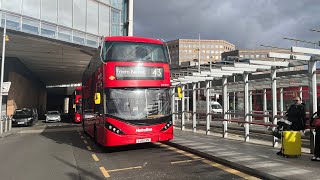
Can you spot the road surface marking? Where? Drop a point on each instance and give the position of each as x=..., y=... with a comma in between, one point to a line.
x=104, y=172
x=123, y=169
x=230, y=170
x=89, y=148
x=178, y=162
x=211, y=163
x=86, y=142
x=94, y=156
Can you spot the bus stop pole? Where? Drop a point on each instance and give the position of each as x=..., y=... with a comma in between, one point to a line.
x=250, y=105
x=194, y=107
x=2, y=70
x=182, y=107
x=300, y=92
x=208, y=107
x=274, y=102
x=246, y=106
x=312, y=97
x=225, y=107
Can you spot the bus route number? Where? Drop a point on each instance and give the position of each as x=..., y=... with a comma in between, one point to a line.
x=157, y=72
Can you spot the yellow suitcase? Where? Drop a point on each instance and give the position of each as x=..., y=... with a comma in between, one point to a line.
x=291, y=143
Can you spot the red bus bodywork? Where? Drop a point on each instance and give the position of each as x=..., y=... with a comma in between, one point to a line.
x=77, y=104
x=108, y=129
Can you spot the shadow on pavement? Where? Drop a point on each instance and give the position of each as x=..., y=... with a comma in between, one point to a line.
x=80, y=170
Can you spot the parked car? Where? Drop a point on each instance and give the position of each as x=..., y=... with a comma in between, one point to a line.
x=23, y=116
x=53, y=116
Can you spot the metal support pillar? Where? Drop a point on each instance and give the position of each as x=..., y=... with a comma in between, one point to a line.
x=2, y=70
x=208, y=107
x=225, y=98
x=234, y=104
x=300, y=92
x=250, y=105
x=228, y=106
x=281, y=101
x=183, y=107
x=265, y=119
x=194, y=107
x=274, y=102
x=246, y=106
x=173, y=100
x=312, y=97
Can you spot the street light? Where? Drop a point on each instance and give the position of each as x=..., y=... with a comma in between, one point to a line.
x=273, y=47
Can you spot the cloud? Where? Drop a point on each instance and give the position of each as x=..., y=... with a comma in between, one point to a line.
x=245, y=23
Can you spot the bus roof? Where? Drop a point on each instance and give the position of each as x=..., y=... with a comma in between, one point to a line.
x=133, y=39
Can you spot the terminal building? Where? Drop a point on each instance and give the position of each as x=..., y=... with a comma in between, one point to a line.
x=184, y=52
x=51, y=42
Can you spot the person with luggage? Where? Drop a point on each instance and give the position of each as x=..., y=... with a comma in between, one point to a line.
x=296, y=114
x=316, y=156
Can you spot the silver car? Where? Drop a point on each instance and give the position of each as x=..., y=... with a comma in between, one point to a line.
x=53, y=116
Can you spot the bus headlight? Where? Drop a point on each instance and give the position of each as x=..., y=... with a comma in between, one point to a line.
x=167, y=126
x=113, y=129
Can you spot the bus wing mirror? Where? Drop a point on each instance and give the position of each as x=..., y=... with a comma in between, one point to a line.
x=97, y=98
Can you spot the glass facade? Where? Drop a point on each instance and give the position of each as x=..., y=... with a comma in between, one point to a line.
x=77, y=21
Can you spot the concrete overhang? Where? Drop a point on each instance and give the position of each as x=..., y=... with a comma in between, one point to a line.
x=53, y=61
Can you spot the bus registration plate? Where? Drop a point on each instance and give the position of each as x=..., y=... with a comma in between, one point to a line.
x=143, y=140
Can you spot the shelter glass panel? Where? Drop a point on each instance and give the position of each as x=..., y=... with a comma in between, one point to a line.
x=65, y=12
x=49, y=9
x=31, y=8
x=115, y=31
x=79, y=14
x=92, y=17
x=12, y=5
x=30, y=26
x=104, y=20
x=48, y=30
x=105, y=1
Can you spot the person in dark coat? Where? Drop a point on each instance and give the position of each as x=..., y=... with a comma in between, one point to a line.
x=316, y=156
x=296, y=114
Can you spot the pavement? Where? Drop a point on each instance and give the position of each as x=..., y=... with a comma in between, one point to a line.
x=256, y=157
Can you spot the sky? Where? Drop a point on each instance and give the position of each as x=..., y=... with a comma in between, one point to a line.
x=244, y=23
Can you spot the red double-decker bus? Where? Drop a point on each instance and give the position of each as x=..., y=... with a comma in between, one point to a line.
x=76, y=99
x=126, y=95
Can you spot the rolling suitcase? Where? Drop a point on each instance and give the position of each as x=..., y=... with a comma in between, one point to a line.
x=291, y=143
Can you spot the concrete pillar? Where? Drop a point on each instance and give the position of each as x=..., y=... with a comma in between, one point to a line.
x=194, y=107
x=274, y=101
x=265, y=119
x=183, y=108
x=225, y=98
x=66, y=105
x=208, y=107
x=246, y=106
x=312, y=97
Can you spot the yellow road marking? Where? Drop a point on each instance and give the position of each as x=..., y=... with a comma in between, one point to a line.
x=94, y=156
x=86, y=142
x=89, y=148
x=220, y=166
x=104, y=172
x=114, y=170
x=185, y=161
x=230, y=170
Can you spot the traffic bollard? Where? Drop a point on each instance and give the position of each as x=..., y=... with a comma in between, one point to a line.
x=10, y=124
x=6, y=124
x=1, y=126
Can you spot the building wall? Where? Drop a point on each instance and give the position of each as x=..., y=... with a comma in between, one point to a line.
x=183, y=50
x=77, y=21
x=26, y=90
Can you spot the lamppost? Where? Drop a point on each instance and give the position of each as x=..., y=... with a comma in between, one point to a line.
x=298, y=40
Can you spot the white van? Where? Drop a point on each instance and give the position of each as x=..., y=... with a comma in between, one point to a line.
x=215, y=107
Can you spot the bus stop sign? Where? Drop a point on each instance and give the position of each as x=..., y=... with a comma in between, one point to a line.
x=5, y=88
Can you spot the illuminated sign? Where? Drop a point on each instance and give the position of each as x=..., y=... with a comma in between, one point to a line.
x=139, y=73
